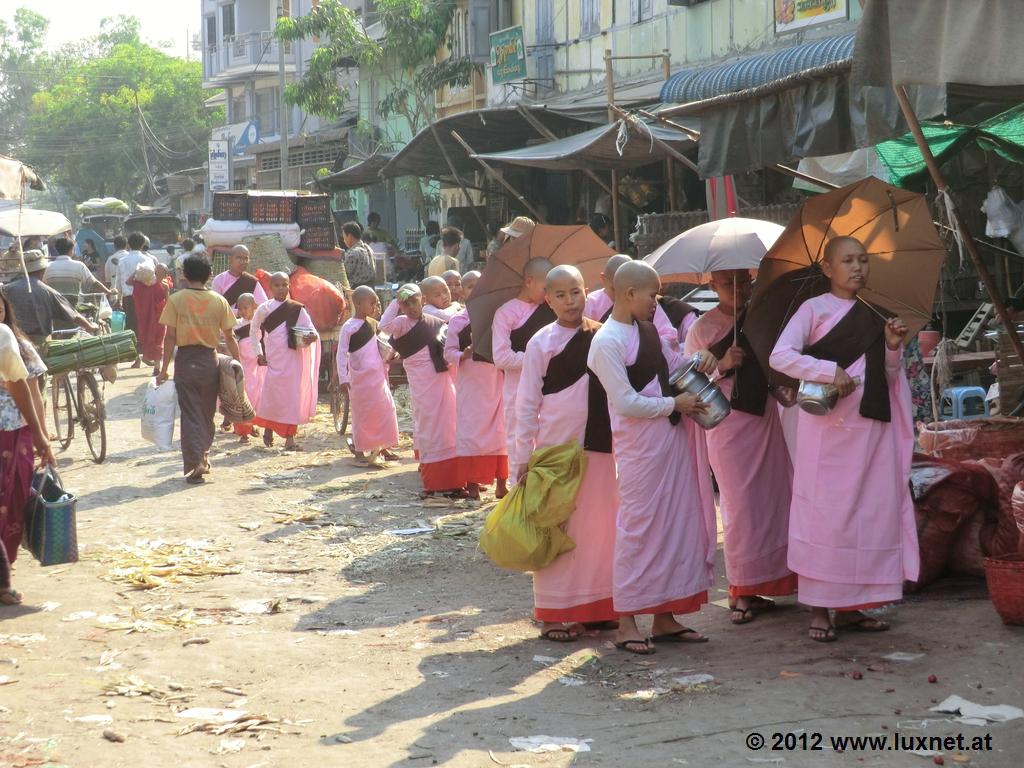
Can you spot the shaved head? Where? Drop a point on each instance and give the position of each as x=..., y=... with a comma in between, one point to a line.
x=537, y=268
x=469, y=281
x=451, y=274
x=841, y=244
x=363, y=293
x=279, y=276
x=432, y=283
x=245, y=300
x=635, y=274
x=240, y=250
x=564, y=272
x=613, y=264
x=471, y=275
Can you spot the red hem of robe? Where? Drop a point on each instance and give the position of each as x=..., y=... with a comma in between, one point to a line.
x=280, y=429
x=483, y=470
x=775, y=588
x=441, y=475
x=599, y=610
x=689, y=604
x=244, y=429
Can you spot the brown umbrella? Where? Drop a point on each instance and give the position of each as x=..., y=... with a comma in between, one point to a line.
x=896, y=229
x=502, y=278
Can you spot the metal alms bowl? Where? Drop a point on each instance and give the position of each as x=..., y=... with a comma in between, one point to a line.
x=691, y=381
x=817, y=399
x=299, y=335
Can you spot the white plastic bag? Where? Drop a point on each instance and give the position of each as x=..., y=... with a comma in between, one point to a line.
x=159, y=413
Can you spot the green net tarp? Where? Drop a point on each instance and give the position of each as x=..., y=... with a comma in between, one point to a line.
x=1002, y=134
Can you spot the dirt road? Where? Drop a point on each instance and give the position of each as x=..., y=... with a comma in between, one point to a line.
x=276, y=591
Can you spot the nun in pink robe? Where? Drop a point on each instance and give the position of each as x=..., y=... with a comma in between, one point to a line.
x=751, y=463
x=222, y=284
x=480, y=440
x=374, y=422
x=433, y=409
x=852, y=534
x=511, y=315
x=577, y=585
x=599, y=307
x=291, y=379
x=667, y=532
x=253, y=373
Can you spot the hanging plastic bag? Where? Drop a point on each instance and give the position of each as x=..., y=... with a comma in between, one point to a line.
x=159, y=413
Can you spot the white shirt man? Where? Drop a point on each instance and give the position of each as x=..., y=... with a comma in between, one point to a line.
x=63, y=272
x=110, y=268
x=126, y=267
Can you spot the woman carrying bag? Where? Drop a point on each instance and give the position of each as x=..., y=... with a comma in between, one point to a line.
x=22, y=433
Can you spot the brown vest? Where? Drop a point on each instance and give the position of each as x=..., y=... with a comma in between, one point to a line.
x=428, y=332
x=650, y=363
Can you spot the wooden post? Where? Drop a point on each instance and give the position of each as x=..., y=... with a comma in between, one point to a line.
x=958, y=222
x=609, y=75
x=458, y=179
x=546, y=132
x=670, y=166
x=498, y=178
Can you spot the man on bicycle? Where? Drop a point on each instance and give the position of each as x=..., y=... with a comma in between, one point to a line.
x=70, y=277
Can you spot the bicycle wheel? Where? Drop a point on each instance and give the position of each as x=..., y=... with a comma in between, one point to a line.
x=93, y=413
x=63, y=415
x=339, y=410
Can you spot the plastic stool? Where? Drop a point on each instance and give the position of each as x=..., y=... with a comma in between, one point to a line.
x=963, y=403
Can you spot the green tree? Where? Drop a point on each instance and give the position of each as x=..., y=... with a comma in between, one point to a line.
x=410, y=62
x=112, y=121
x=24, y=68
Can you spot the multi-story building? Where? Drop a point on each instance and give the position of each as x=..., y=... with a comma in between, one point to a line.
x=241, y=59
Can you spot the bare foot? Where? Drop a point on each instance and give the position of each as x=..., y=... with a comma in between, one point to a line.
x=244, y=439
x=501, y=490
x=561, y=633
x=268, y=437
x=821, y=629
x=389, y=455
x=858, y=621
x=630, y=639
x=473, y=489
x=291, y=445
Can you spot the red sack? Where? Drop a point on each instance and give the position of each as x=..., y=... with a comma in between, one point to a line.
x=324, y=302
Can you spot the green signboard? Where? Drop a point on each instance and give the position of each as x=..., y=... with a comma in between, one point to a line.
x=508, y=55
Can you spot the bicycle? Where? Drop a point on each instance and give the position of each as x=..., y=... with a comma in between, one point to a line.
x=339, y=398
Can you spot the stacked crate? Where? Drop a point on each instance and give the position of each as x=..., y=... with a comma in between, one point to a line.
x=311, y=212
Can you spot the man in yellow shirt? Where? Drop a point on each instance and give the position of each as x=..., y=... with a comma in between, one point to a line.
x=447, y=256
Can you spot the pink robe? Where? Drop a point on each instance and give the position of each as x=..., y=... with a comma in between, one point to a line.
x=510, y=315
x=374, y=423
x=852, y=534
x=666, y=531
x=577, y=586
x=254, y=374
x=222, y=282
x=599, y=303
x=480, y=441
x=445, y=314
x=291, y=378
x=748, y=454
x=433, y=409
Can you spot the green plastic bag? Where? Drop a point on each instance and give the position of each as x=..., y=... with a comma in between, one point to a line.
x=524, y=531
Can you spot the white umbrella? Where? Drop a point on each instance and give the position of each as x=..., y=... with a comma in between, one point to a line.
x=25, y=222
x=733, y=243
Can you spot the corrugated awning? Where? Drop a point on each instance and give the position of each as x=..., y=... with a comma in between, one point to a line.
x=596, y=149
x=365, y=173
x=497, y=129
x=753, y=71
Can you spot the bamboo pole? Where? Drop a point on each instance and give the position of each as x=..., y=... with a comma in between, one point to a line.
x=958, y=222
x=609, y=76
x=498, y=178
x=664, y=146
x=548, y=134
x=670, y=166
x=457, y=177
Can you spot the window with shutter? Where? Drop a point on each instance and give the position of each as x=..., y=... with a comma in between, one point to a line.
x=646, y=9
x=545, y=22
x=227, y=20
x=482, y=17
x=590, y=18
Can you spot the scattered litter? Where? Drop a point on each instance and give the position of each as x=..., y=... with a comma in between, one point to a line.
x=343, y=632
x=571, y=681
x=114, y=736
x=184, y=618
x=341, y=738
x=132, y=687
x=307, y=599
x=550, y=744
x=250, y=526
x=9, y=662
x=49, y=606
x=229, y=746
x=409, y=531
x=238, y=721
x=5, y=680
x=212, y=714
x=645, y=694
x=977, y=714
x=232, y=691
x=22, y=640
x=903, y=656
x=255, y=607
x=289, y=569
x=79, y=615
x=787, y=674
x=687, y=681
x=546, y=660
x=925, y=752
x=286, y=479
x=195, y=641
x=916, y=725
x=95, y=719
x=154, y=564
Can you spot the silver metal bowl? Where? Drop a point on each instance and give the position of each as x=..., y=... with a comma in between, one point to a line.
x=818, y=399
x=299, y=335
x=691, y=381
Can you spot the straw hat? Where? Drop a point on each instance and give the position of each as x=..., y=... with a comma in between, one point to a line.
x=10, y=264
x=521, y=225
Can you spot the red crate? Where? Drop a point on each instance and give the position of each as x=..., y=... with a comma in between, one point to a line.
x=230, y=206
x=271, y=209
x=319, y=238
x=314, y=210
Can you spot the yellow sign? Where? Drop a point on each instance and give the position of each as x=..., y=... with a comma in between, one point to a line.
x=798, y=14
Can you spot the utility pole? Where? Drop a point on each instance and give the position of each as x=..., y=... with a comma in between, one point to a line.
x=283, y=120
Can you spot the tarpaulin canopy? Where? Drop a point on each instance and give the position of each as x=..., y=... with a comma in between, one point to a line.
x=909, y=42
x=495, y=129
x=365, y=173
x=597, y=149
x=801, y=113
x=13, y=174
x=1002, y=134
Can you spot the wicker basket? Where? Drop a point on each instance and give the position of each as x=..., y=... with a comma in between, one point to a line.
x=319, y=238
x=313, y=210
x=219, y=259
x=1005, y=577
x=268, y=253
x=331, y=270
x=973, y=438
x=272, y=209
x=230, y=206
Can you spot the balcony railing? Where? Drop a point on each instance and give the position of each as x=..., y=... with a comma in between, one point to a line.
x=238, y=53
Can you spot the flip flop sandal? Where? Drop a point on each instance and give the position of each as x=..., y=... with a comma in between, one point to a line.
x=639, y=647
x=562, y=634
x=827, y=634
x=865, y=624
x=10, y=597
x=680, y=637
x=742, y=615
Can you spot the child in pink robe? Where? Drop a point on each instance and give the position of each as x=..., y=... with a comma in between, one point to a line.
x=417, y=337
x=749, y=456
x=291, y=381
x=599, y=304
x=852, y=534
x=666, y=530
x=253, y=371
x=437, y=299
x=514, y=324
x=480, y=440
x=363, y=371
x=558, y=402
